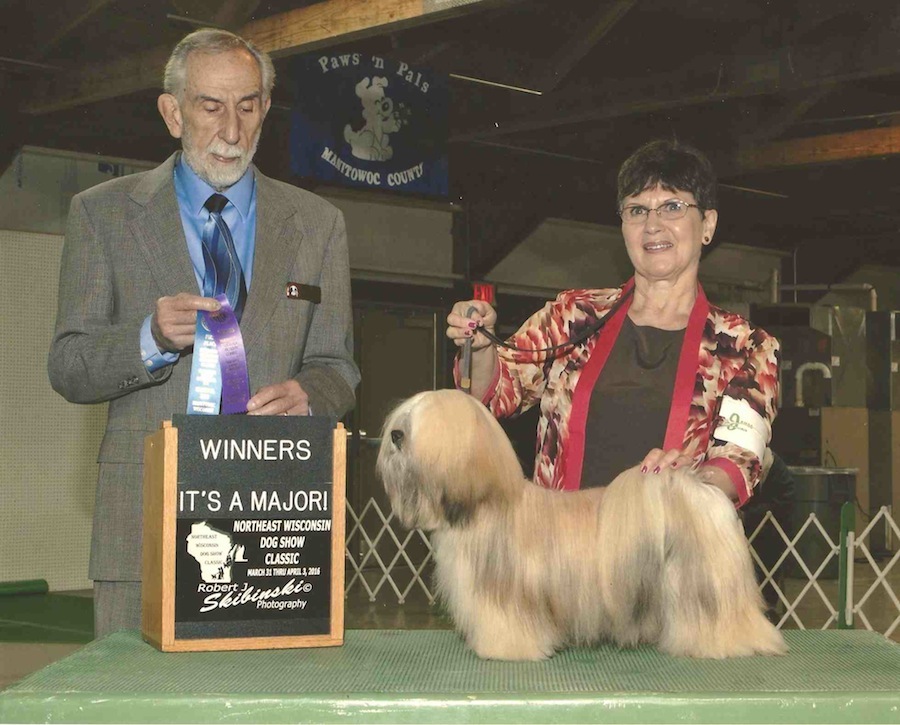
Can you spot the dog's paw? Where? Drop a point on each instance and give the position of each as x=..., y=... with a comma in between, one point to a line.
x=760, y=638
x=519, y=649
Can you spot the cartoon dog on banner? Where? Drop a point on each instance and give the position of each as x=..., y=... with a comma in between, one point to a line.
x=524, y=570
x=372, y=142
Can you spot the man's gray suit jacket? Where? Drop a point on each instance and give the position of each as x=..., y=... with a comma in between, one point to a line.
x=125, y=247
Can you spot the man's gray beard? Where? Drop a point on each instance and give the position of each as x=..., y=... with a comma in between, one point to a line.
x=218, y=179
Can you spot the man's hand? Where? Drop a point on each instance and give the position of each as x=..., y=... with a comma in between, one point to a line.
x=174, y=320
x=286, y=398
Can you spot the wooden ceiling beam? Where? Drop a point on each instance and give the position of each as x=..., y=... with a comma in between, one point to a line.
x=828, y=148
x=12, y=139
x=496, y=228
x=771, y=128
x=296, y=31
x=842, y=260
x=579, y=45
x=230, y=14
x=66, y=17
x=707, y=79
x=327, y=23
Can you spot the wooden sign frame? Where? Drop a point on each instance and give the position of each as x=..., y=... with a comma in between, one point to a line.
x=158, y=615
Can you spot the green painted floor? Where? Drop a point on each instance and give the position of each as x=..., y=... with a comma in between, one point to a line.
x=430, y=676
x=46, y=618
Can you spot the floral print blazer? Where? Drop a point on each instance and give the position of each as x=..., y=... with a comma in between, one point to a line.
x=723, y=403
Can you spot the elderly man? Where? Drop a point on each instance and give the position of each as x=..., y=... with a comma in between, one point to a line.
x=135, y=272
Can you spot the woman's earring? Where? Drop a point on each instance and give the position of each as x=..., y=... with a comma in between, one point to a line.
x=706, y=239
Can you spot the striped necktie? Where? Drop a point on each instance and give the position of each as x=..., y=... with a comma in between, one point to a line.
x=223, y=273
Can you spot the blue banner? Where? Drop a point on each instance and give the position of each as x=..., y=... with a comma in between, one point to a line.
x=372, y=122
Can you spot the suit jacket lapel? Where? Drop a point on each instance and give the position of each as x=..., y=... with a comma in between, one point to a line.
x=158, y=230
x=277, y=236
x=157, y=227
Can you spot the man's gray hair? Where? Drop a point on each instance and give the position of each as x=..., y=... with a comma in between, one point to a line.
x=213, y=40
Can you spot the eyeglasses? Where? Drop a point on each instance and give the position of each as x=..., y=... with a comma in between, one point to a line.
x=668, y=211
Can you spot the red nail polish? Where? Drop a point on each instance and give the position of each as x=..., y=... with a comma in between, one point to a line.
x=643, y=469
x=656, y=470
x=473, y=324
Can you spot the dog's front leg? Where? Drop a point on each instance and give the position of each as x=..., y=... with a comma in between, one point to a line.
x=496, y=624
x=499, y=632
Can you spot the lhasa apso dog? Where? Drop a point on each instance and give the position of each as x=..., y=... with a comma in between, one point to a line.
x=525, y=571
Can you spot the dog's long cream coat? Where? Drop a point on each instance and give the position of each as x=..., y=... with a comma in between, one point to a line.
x=525, y=570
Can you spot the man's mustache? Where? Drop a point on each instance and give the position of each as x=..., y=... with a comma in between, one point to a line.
x=226, y=152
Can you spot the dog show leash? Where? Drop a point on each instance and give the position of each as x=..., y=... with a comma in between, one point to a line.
x=466, y=364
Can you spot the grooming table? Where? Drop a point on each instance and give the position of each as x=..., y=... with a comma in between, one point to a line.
x=429, y=676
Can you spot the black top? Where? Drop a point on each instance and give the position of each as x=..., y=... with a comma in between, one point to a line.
x=630, y=403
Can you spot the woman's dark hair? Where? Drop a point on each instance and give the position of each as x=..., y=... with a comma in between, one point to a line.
x=671, y=165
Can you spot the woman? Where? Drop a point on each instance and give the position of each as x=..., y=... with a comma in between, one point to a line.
x=668, y=380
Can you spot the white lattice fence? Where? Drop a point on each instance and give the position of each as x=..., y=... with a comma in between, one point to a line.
x=865, y=592
x=383, y=557
x=792, y=556
x=861, y=605
x=379, y=555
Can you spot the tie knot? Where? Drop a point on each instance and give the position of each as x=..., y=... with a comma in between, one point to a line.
x=216, y=203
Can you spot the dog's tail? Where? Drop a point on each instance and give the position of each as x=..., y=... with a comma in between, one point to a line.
x=686, y=578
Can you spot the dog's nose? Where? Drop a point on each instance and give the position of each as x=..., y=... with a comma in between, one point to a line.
x=397, y=437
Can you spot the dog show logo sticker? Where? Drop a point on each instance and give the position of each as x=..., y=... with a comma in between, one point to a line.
x=739, y=423
x=371, y=122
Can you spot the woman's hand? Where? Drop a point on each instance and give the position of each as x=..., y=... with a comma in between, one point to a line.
x=658, y=459
x=462, y=327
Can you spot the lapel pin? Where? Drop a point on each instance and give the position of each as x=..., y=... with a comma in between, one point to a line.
x=308, y=292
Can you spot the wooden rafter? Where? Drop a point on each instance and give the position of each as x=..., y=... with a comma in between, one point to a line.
x=578, y=46
x=295, y=31
x=773, y=127
x=707, y=79
x=217, y=13
x=66, y=17
x=842, y=259
x=496, y=229
x=868, y=143
x=325, y=23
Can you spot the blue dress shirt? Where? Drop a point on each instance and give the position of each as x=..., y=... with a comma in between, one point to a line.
x=240, y=215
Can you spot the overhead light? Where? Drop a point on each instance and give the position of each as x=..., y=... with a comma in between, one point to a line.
x=193, y=21
x=756, y=191
x=539, y=152
x=30, y=64
x=836, y=119
x=506, y=86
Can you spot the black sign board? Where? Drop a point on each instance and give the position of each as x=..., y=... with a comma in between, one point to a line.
x=254, y=520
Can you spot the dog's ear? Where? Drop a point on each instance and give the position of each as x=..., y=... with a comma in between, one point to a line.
x=456, y=512
x=456, y=488
x=494, y=457
x=482, y=471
